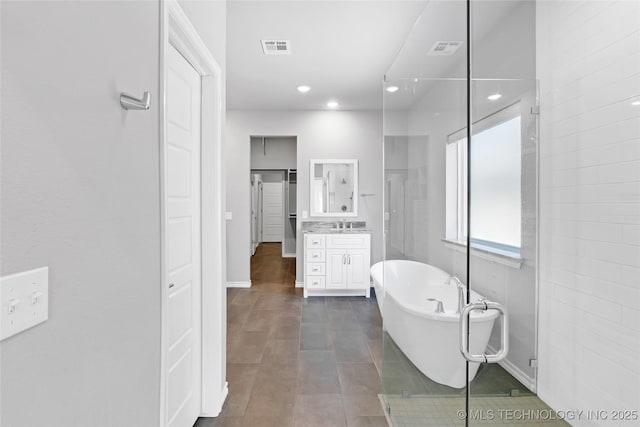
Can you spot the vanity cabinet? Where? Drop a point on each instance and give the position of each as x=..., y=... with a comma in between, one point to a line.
x=337, y=264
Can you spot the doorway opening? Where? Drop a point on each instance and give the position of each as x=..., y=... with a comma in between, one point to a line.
x=273, y=178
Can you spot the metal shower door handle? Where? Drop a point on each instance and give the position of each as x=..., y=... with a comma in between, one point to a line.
x=464, y=332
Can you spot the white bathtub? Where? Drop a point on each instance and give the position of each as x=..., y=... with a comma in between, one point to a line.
x=429, y=339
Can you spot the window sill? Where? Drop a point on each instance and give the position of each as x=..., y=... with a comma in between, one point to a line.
x=488, y=253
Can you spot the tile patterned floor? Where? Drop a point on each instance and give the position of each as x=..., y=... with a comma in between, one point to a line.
x=430, y=411
x=297, y=362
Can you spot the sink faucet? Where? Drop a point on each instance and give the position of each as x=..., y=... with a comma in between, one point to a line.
x=460, y=286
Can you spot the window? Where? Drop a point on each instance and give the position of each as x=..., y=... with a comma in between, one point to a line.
x=496, y=202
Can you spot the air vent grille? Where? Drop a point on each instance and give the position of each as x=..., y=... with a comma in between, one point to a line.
x=276, y=47
x=444, y=48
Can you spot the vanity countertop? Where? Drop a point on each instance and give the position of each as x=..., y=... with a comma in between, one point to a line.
x=336, y=231
x=322, y=227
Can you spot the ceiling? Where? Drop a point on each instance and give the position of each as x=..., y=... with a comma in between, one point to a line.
x=341, y=49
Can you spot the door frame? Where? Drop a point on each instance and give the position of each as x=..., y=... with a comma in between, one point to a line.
x=176, y=30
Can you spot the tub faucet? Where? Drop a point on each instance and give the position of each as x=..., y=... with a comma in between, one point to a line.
x=461, y=298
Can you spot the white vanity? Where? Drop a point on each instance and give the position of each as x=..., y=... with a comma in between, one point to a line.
x=337, y=264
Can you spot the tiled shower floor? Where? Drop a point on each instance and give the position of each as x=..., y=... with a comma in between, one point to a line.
x=497, y=398
x=430, y=411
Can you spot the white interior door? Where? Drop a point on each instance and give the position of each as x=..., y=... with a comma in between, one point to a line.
x=254, y=214
x=183, y=263
x=272, y=212
x=259, y=219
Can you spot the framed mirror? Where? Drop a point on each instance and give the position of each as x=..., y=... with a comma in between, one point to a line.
x=333, y=187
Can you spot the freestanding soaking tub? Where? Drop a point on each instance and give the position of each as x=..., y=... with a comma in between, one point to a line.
x=429, y=339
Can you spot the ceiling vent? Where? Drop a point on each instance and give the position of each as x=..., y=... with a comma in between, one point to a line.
x=444, y=48
x=276, y=47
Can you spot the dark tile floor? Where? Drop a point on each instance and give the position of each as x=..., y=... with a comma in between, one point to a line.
x=297, y=362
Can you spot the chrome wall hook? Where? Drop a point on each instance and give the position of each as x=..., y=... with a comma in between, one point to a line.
x=128, y=102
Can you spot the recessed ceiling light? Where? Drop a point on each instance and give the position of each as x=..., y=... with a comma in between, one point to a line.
x=392, y=89
x=635, y=103
x=494, y=96
x=304, y=88
x=332, y=104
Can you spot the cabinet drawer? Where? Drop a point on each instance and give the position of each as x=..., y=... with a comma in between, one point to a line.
x=315, y=282
x=315, y=255
x=315, y=241
x=315, y=269
x=355, y=241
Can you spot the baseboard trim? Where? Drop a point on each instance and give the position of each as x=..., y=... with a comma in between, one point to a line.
x=299, y=284
x=218, y=410
x=225, y=394
x=238, y=284
x=508, y=366
x=287, y=255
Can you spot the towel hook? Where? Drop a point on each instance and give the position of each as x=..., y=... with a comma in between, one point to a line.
x=128, y=102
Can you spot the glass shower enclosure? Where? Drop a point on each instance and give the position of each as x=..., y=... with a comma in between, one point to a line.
x=458, y=284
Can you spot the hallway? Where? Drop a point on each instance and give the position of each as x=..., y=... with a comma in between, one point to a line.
x=297, y=362
x=270, y=270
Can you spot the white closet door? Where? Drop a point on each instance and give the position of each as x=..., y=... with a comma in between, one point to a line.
x=183, y=263
x=272, y=212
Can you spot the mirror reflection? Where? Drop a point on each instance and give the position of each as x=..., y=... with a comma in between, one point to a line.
x=334, y=187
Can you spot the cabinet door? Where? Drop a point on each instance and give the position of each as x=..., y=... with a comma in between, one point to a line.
x=336, y=269
x=358, y=268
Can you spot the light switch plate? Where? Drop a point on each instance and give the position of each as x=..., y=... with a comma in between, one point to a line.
x=228, y=216
x=24, y=301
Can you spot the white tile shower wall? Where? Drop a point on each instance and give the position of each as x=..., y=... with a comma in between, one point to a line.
x=589, y=69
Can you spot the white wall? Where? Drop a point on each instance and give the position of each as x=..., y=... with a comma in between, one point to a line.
x=589, y=70
x=80, y=194
x=320, y=134
x=280, y=153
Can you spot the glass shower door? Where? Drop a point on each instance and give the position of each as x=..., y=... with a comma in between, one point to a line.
x=460, y=225
x=425, y=100
x=502, y=211
x=423, y=372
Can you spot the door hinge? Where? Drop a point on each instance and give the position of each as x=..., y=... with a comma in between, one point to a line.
x=388, y=408
x=533, y=363
x=535, y=110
